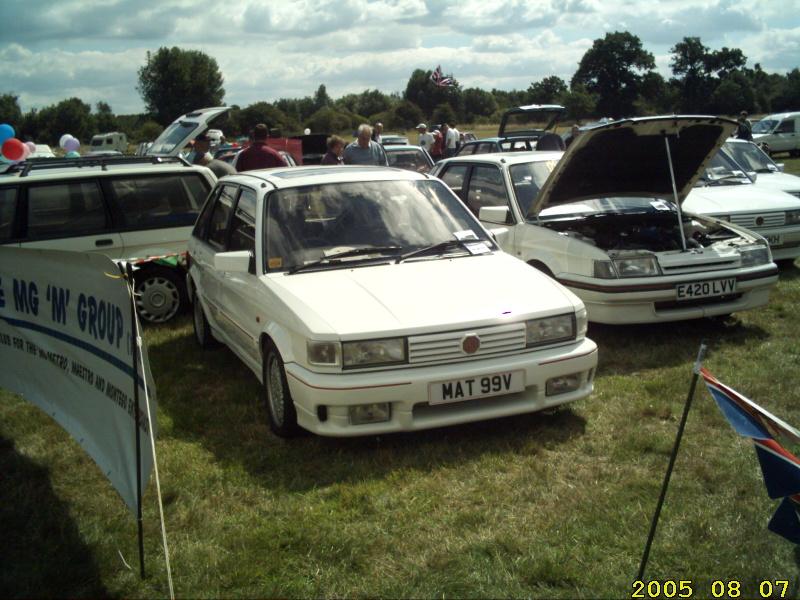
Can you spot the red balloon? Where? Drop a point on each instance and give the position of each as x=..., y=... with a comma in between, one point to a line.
x=13, y=149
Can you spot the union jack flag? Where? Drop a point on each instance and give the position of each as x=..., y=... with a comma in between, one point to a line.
x=786, y=520
x=439, y=79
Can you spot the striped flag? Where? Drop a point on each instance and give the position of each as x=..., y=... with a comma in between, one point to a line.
x=439, y=79
x=781, y=468
x=786, y=520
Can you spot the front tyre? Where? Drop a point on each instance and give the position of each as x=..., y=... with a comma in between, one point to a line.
x=202, y=330
x=280, y=406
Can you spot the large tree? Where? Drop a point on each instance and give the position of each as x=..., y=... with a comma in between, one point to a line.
x=547, y=91
x=9, y=110
x=104, y=119
x=427, y=95
x=174, y=81
x=477, y=103
x=612, y=68
x=73, y=116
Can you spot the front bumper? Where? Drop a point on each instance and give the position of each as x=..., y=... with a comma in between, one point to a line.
x=407, y=391
x=620, y=301
x=789, y=246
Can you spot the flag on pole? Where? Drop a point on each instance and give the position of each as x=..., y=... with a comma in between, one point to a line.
x=439, y=79
x=781, y=468
x=786, y=520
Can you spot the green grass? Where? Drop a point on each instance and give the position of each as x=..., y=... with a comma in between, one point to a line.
x=553, y=505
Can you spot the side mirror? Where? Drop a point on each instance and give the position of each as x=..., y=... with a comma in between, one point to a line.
x=499, y=215
x=239, y=261
x=781, y=167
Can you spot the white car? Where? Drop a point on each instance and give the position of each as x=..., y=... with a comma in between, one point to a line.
x=779, y=133
x=726, y=192
x=369, y=300
x=760, y=167
x=602, y=221
x=42, y=151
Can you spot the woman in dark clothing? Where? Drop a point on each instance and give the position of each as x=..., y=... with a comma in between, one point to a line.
x=335, y=149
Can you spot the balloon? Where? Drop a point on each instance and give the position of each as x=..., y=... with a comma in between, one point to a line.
x=72, y=154
x=13, y=149
x=6, y=132
x=31, y=146
x=63, y=140
x=25, y=151
x=306, y=131
x=71, y=145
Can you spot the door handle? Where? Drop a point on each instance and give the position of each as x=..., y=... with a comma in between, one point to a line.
x=103, y=242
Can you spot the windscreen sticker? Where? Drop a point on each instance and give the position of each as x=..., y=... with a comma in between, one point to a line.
x=478, y=248
x=659, y=205
x=275, y=263
x=466, y=234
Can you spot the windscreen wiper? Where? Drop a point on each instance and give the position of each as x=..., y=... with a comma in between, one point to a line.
x=337, y=256
x=432, y=249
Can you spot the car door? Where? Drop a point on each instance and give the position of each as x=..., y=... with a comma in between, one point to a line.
x=157, y=211
x=69, y=215
x=212, y=232
x=785, y=136
x=487, y=187
x=9, y=223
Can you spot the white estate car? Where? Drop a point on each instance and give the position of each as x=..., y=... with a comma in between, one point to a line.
x=726, y=192
x=369, y=300
x=602, y=221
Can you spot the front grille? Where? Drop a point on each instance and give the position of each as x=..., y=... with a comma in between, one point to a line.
x=757, y=220
x=694, y=267
x=676, y=305
x=438, y=347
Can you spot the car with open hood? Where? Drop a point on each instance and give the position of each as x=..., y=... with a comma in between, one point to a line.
x=369, y=300
x=728, y=191
x=604, y=218
x=522, y=128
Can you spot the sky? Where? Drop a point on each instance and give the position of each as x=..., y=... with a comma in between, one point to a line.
x=270, y=49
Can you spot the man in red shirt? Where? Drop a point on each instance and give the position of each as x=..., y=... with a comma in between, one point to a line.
x=259, y=155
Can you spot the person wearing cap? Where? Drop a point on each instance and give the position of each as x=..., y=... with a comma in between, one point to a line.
x=425, y=139
x=202, y=156
x=745, y=130
x=377, y=129
x=259, y=155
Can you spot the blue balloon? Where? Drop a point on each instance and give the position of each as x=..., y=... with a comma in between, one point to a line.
x=6, y=131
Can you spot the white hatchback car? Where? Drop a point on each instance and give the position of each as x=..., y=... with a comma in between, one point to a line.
x=760, y=167
x=602, y=220
x=369, y=300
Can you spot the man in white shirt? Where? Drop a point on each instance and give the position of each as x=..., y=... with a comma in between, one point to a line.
x=452, y=142
x=425, y=139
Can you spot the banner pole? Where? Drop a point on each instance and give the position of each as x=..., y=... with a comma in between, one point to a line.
x=695, y=375
x=135, y=350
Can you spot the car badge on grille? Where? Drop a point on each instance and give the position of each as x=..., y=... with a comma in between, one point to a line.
x=759, y=220
x=470, y=343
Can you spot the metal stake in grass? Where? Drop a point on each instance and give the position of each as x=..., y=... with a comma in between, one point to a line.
x=695, y=375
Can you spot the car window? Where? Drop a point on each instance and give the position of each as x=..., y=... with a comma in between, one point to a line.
x=484, y=148
x=411, y=160
x=454, y=176
x=528, y=179
x=8, y=204
x=220, y=215
x=786, y=126
x=150, y=201
x=65, y=209
x=243, y=226
x=467, y=149
x=486, y=188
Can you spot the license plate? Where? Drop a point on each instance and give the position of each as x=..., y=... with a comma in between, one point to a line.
x=774, y=240
x=480, y=386
x=705, y=289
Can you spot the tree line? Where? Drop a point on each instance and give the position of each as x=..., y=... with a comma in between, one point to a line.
x=615, y=78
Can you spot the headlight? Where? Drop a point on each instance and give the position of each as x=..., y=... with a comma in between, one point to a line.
x=324, y=354
x=582, y=323
x=373, y=352
x=754, y=255
x=793, y=217
x=643, y=266
x=604, y=269
x=550, y=330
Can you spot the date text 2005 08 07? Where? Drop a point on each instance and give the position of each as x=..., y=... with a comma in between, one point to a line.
x=670, y=588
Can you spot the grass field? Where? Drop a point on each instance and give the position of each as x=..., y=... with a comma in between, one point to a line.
x=553, y=505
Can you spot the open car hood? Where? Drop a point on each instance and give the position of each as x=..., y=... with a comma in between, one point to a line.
x=532, y=119
x=629, y=158
x=183, y=129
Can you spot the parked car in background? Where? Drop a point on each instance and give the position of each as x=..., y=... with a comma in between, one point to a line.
x=523, y=128
x=394, y=139
x=411, y=158
x=105, y=142
x=779, y=133
x=42, y=151
x=602, y=221
x=726, y=192
x=339, y=288
x=760, y=167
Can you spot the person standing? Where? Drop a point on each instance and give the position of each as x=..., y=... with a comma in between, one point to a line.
x=437, y=147
x=259, y=155
x=334, y=154
x=452, y=140
x=364, y=151
x=202, y=156
x=425, y=139
x=574, y=133
x=376, y=133
x=745, y=129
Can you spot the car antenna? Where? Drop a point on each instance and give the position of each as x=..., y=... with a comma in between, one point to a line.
x=675, y=190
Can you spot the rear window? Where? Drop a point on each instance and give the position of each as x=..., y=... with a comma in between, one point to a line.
x=65, y=210
x=153, y=202
x=8, y=202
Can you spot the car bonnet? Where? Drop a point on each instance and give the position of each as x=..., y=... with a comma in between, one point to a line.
x=629, y=158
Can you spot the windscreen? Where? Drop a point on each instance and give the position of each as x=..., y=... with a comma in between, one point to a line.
x=722, y=169
x=528, y=179
x=177, y=133
x=410, y=160
x=765, y=125
x=750, y=157
x=309, y=223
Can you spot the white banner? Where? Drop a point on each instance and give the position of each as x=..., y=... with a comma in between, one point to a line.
x=66, y=345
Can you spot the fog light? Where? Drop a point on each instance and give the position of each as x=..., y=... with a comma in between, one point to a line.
x=562, y=384
x=370, y=413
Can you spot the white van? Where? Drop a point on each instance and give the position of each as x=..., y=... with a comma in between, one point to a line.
x=105, y=142
x=779, y=133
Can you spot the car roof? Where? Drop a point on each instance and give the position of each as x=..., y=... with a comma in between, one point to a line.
x=50, y=170
x=289, y=177
x=396, y=147
x=506, y=158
